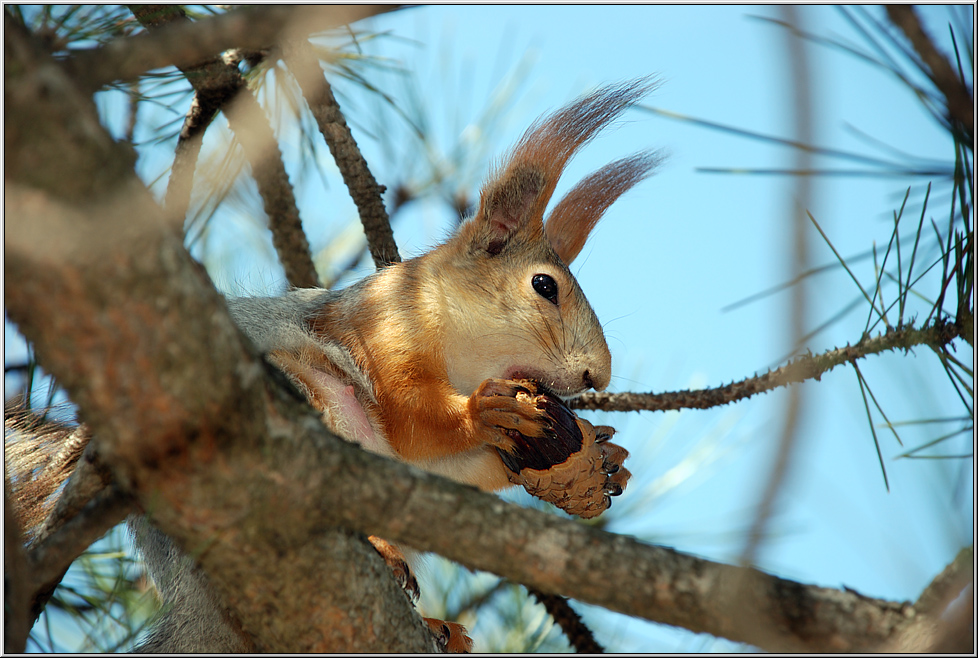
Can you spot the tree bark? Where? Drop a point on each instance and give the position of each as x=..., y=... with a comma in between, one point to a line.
x=137, y=335
x=227, y=459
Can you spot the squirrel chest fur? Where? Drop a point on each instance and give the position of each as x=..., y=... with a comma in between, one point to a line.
x=422, y=360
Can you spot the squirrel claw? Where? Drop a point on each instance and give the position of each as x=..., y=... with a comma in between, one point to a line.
x=398, y=565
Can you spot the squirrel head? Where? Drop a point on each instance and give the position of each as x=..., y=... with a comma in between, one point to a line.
x=534, y=320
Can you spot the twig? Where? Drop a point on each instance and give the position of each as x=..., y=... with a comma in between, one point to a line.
x=185, y=155
x=800, y=80
x=217, y=82
x=940, y=332
x=960, y=104
x=252, y=128
x=576, y=631
x=359, y=180
x=211, y=76
x=252, y=28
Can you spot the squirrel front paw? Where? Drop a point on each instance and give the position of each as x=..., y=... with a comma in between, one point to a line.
x=452, y=637
x=568, y=462
x=509, y=412
x=399, y=566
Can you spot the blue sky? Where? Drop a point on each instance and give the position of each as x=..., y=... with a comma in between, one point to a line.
x=670, y=255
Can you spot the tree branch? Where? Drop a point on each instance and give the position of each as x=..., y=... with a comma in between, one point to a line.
x=575, y=630
x=16, y=580
x=50, y=559
x=232, y=482
x=944, y=614
x=253, y=130
x=960, y=104
x=132, y=328
x=937, y=334
x=186, y=45
x=948, y=584
x=361, y=183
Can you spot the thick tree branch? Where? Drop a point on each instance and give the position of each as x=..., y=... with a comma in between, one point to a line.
x=142, y=342
x=50, y=558
x=16, y=580
x=251, y=28
x=960, y=104
x=361, y=183
x=937, y=334
x=232, y=484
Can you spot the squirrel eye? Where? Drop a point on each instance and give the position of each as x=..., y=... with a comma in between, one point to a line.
x=546, y=287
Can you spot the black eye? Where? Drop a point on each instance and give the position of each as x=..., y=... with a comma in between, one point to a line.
x=546, y=287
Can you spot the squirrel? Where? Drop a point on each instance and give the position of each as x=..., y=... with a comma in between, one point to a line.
x=455, y=361
x=421, y=360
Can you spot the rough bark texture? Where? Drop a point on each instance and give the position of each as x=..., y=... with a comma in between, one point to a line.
x=227, y=459
x=135, y=332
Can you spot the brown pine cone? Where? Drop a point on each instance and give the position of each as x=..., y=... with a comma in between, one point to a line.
x=575, y=467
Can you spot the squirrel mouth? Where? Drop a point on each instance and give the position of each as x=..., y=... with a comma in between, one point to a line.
x=546, y=385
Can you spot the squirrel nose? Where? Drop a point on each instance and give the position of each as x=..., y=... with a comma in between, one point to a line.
x=596, y=377
x=590, y=383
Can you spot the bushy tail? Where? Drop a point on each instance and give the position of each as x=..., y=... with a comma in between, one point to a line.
x=40, y=452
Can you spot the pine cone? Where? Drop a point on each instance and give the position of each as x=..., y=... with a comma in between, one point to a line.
x=575, y=467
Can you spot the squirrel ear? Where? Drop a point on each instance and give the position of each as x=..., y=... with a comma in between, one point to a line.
x=508, y=208
x=515, y=199
x=572, y=220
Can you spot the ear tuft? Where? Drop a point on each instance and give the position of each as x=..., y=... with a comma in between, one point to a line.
x=572, y=220
x=515, y=199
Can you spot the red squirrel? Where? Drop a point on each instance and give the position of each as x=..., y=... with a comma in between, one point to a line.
x=421, y=360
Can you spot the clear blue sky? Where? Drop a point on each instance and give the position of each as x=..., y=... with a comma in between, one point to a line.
x=675, y=251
